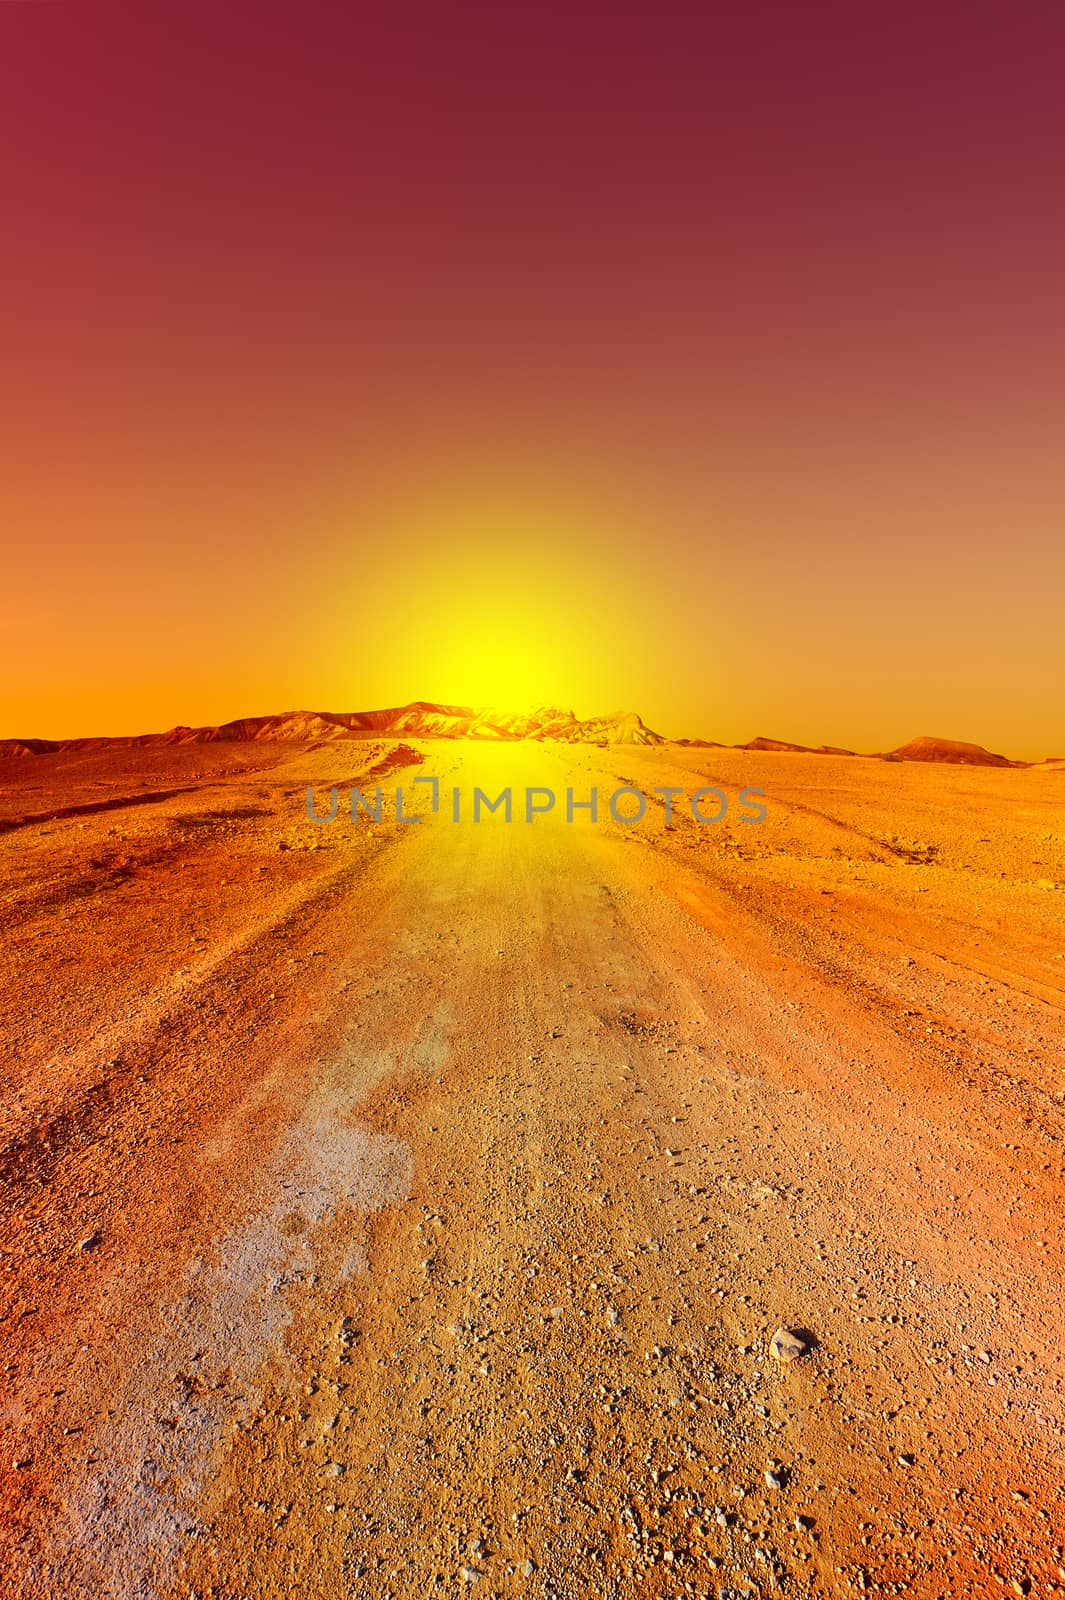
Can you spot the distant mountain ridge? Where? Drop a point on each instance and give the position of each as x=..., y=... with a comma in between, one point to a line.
x=762, y=743
x=430, y=719
x=421, y=719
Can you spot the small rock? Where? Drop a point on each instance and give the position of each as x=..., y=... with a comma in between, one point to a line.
x=528, y=1567
x=91, y=1241
x=787, y=1346
x=906, y=1460
x=470, y=1575
x=773, y=1480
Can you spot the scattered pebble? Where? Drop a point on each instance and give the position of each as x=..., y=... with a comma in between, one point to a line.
x=787, y=1346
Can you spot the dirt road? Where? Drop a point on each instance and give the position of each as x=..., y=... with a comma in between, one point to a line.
x=392, y=1211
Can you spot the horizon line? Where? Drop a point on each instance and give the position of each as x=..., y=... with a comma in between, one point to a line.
x=478, y=712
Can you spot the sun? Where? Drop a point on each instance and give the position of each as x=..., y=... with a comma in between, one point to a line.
x=504, y=637
x=503, y=599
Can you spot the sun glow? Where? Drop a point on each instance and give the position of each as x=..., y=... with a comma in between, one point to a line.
x=505, y=636
x=509, y=600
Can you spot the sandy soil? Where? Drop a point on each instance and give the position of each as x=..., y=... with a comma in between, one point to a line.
x=391, y=1211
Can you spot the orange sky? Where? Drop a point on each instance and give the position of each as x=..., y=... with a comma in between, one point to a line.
x=710, y=367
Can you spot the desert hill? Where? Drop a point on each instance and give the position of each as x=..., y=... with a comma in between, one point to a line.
x=421, y=718
x=955, y=751
x=762, y=743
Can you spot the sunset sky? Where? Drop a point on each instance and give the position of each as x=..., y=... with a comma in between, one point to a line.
x=704, y=360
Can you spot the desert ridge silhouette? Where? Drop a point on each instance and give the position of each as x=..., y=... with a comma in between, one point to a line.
x=430, y=719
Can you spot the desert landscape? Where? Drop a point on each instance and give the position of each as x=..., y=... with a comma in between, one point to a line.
x=552, y=1209
x=590, y=1126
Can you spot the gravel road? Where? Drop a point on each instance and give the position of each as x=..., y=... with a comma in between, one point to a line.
x=400, y=1210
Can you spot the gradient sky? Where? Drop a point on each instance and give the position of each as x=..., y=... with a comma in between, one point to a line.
x=706, y=360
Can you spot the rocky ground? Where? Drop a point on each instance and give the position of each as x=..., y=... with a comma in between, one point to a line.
x=392, y=1211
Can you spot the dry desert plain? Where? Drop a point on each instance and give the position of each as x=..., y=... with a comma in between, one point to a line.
x=396, y=1211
